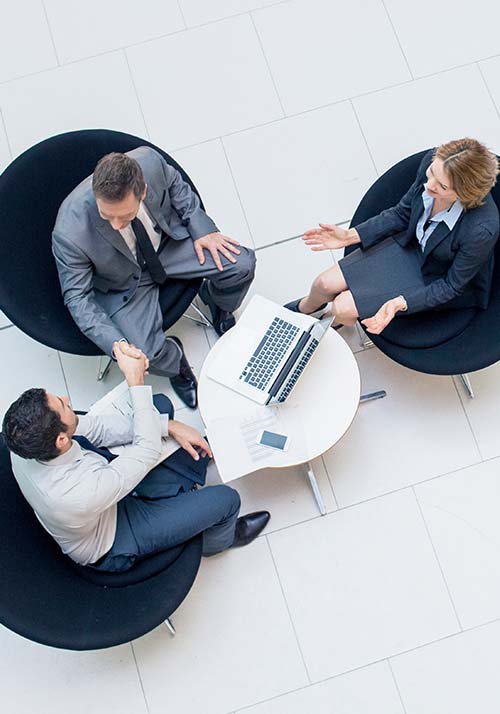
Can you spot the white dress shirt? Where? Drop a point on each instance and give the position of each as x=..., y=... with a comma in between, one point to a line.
x=74, y=496
x=128, y=234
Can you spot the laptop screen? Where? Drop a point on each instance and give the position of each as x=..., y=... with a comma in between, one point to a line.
x=319, y=330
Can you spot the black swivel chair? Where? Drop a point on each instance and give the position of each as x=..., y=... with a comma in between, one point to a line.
x=47, y=598
x=445, y=342
x=31, y=190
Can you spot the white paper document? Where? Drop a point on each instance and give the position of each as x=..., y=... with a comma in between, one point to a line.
x=233, y=440
x=118, y=400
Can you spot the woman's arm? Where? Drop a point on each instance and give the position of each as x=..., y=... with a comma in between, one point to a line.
x=396, y=219
x=472, y=253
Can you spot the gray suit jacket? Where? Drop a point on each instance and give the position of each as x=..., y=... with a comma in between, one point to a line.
x=97, y=271
x=457, y=264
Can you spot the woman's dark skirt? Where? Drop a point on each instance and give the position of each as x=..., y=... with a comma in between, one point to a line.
x=381, y=273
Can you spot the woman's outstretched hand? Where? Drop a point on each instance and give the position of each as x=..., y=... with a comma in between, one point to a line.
x=330, y=237
x=384, y=315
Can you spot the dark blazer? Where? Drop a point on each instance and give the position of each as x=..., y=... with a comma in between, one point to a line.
x=455, y=263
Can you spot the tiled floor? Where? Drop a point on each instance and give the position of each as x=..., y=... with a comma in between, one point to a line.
x=284, y=113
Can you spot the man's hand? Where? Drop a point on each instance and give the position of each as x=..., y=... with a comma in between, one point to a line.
x=330, y=237
x=384, y=315
x=189, y=439
x=216, y=243
x=132, y=363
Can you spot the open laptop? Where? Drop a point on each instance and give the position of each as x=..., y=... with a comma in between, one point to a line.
x=268, y=350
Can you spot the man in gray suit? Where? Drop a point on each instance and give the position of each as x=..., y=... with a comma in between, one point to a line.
x=120, y=234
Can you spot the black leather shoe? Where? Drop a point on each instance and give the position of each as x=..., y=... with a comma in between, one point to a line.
x=185, y=384
x=222, y=320
x=249, y=527
x=294, y=306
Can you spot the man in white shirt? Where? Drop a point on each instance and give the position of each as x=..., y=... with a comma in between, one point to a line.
x=110, y=511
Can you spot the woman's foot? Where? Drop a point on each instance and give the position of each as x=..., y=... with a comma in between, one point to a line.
x=294, y=306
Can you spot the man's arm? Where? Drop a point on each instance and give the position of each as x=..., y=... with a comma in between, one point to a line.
x=75, y=275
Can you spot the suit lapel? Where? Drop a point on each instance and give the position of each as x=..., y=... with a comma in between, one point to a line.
x=153, y=204
x=440, y=232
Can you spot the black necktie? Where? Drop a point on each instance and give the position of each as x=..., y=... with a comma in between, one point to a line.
x=101, y=450
x=147, y=257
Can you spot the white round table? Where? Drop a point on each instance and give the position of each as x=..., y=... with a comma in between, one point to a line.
x=325, y=398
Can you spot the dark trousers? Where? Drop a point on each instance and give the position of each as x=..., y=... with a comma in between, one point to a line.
x=166, y=509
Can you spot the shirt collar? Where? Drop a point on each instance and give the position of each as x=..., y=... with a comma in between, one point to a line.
x=73, y=454
x=450, y=216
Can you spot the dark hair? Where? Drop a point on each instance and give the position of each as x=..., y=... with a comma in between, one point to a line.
x=31, y=427
x=115, y=176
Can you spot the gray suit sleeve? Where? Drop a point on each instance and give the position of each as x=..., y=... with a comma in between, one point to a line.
x=75, y=275
x=187, y=204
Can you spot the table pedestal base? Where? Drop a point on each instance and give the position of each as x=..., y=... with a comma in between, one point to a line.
x=315, y=488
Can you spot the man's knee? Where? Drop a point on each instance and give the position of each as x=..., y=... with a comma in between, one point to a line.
x=228, y=498
x=243, y=270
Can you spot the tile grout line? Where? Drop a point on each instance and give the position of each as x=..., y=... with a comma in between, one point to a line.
x=4, y=125
x=488, y=88
x=182, y=14
x=372, y=663
x=50, y=32
x=233, y=178
x=124, y=51
x=358, y=121
x=468, y=420
x=259, y=40
x=140, y=678
x=419, y=506
x=330, y=482
x=397, y=38
x=389, y=664
x=288, y=610
x=68, y=391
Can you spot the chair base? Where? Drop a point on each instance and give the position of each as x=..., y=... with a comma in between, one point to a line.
x=170, y=627
x=464, y=378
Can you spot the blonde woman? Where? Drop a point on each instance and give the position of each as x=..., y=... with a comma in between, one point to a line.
x=433, y=250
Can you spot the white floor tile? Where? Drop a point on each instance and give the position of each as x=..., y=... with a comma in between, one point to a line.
x=4, y=320
x=285, y=271
x=490, y=70
x=82, y=30
x=468, y=36
x=400, y=121
x=26, y=43
x=482, y=411
x=313, y=49
x=5, y=155
x=52, y=681
x=77, y=96
x=296, y=172
x=418, y=431
x=362, y=584
x=220, y=84
x=456, y=676
x=367, y=691
x=461, y=511
x=285, y=493
x=26, y=364
x=197, y=12
x=207, y=166
x=235, y=644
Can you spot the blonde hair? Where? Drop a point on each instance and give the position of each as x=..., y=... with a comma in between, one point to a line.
x=471, y=169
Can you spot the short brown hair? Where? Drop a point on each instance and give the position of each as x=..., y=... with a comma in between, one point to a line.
x=471, y=168
x=115, y=176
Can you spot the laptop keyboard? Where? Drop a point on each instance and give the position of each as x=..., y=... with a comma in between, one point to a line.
x=298, y=370
x=269, y=353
